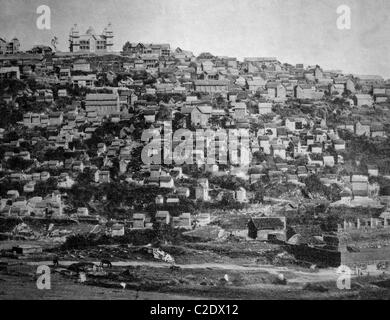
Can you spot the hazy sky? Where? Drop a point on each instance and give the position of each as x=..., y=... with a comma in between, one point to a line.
x=295, y=31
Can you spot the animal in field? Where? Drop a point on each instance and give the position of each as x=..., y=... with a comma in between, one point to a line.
x=105, y=263
x=55, y=262
x=174, y=268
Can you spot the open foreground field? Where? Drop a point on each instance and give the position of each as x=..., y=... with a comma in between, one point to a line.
x=208, y=276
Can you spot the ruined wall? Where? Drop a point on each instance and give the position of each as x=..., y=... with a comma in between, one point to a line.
x=321, y=257
x=366, y=256
x=364, y=246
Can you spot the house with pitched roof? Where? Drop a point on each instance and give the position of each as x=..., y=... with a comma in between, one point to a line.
x=265, y=107
x=103, y=104
x=200, y=115
x=304, y=91
x=256, y=83
x=211, y=86
x=363, y=100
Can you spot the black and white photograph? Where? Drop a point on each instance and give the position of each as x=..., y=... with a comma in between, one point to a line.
x=169, y=150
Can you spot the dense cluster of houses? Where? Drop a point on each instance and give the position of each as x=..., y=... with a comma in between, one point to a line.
x=155, y=83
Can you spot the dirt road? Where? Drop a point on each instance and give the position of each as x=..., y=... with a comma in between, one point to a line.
x=295, y=276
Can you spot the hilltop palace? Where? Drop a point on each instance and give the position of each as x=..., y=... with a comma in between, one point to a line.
x=90, y=41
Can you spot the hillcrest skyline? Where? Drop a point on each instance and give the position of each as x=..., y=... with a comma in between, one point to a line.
x=293, y=31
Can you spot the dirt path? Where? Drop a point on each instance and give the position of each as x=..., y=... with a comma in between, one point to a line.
x=321, y=275
x=23, y=286
x=221, y=266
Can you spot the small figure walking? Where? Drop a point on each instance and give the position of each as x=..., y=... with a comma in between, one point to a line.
x=56, y=262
